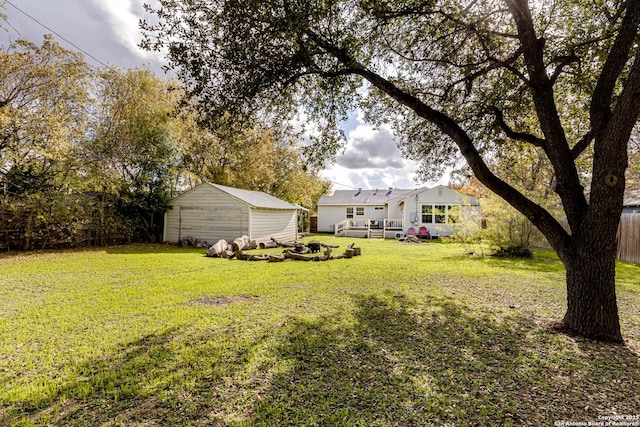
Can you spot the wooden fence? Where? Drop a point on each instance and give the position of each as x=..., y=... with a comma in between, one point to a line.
x=629, y=238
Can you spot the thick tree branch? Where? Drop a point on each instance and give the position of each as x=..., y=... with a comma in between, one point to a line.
x=510, y=133
x=563, y=62
x=582, y=144
x=616, y=60
x=557, y=148
x=535, y=213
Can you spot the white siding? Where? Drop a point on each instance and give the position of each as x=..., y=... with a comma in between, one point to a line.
x=374, y=212
x=438, y=196
x=395, y=209
x=206, y=213
x=328, y=216
x=279, y=224
x=406, y=208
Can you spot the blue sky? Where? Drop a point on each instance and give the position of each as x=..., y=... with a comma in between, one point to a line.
x=107, y=31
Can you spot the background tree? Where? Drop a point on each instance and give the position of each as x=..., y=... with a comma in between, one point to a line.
x=132, y=151
x=43, y=97
x=452, y=76
x=258, y=157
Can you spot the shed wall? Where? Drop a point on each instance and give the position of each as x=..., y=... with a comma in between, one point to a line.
x=279, y=224
x=206, y=213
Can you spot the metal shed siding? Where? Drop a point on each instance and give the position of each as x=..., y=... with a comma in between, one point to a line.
x=206, y=213
x=279, y=224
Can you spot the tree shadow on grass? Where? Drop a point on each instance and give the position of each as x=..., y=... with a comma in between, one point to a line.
x=390, y=362
x=172, y=378
x=403, y=364
x=541, y=262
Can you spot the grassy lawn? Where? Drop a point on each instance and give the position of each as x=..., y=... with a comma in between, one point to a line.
x=405, y=335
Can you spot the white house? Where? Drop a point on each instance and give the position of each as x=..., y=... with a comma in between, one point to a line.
x=394, y=212
x=211, y=212
x=334, y=210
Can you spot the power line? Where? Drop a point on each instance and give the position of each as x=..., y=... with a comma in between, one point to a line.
x=54, y=32
x=12, y=27
x=351, y=187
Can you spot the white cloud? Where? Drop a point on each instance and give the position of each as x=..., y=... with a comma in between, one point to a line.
x=123, y=17
x=371, y=160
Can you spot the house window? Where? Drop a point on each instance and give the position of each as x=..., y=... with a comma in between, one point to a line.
x=360, y=211
x=349, y=212
x=452, y=214
x=378, y=208
x=427, y=214
x=440, y=214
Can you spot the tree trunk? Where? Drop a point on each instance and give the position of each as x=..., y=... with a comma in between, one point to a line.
x=592, y=310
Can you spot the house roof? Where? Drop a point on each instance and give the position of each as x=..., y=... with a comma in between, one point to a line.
x=361, y=197
x=256, y=199
x=472, y=201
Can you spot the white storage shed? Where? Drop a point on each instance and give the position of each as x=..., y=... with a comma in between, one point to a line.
x=211, y=212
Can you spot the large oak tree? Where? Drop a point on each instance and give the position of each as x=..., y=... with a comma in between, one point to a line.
x=452, y=76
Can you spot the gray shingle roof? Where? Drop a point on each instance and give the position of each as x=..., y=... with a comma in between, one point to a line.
x=257, y=199
x=361, y=197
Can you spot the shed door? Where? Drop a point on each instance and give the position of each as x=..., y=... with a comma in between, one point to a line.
x=212, y=223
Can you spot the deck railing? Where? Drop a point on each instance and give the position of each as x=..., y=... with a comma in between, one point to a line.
x=393, y=224
x=366, y=225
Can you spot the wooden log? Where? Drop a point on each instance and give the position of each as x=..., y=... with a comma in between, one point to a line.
x=219, y=249
x=242, y=255
x=297, y=256
x=241, y=243
x=283, y=244
x=267, y=245
x=299, y=250
x=329, y=256
x=352, y=251
x=275, y=258
x=324, y=245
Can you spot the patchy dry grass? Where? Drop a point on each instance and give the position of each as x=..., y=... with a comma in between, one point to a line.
x=405, y=335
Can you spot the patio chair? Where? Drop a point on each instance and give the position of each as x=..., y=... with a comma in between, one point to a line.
x=424, y=233
x=411, y=231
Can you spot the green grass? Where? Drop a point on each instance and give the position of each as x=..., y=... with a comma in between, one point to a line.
x=405, y=335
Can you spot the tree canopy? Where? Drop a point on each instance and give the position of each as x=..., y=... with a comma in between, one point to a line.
x=469, y=77
x=93, y=156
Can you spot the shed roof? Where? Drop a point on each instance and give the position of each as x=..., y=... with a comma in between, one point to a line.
x=256, y=199
x=361, y=197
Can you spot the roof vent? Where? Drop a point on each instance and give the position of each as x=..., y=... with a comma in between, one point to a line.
x=390, y=190
x=359, y=191
x=375, y=192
